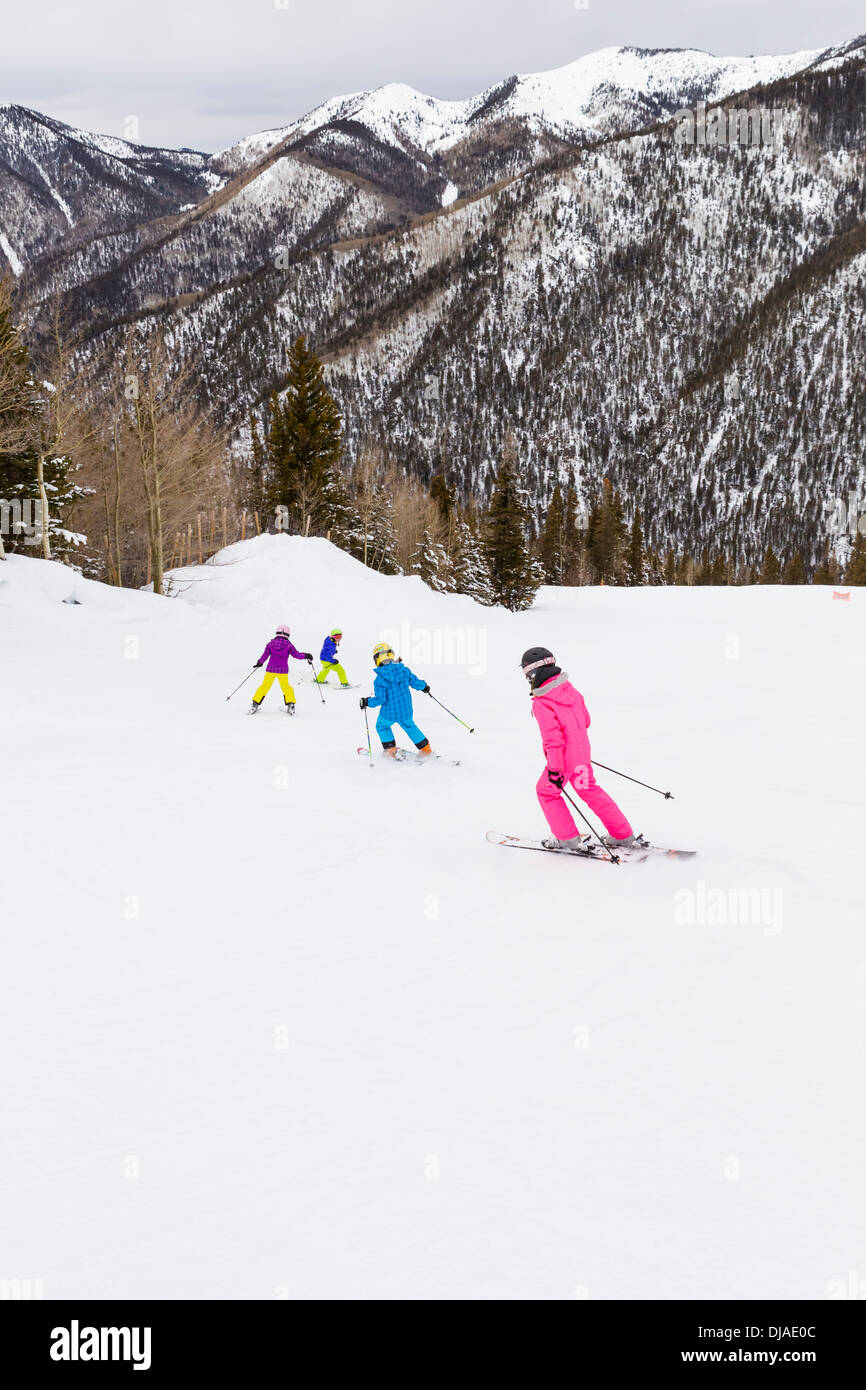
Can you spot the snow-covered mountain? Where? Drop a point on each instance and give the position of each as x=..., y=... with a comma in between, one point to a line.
x=59, y=185
x=595, y=95
x=686, y=321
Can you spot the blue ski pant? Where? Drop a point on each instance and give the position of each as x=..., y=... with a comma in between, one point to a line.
x=409, y=727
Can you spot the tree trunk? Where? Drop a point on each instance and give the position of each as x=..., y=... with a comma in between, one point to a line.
x=43, y=497
x=117, y=557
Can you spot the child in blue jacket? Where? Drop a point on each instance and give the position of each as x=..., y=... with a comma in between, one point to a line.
x=392, y=697
x=330, y=658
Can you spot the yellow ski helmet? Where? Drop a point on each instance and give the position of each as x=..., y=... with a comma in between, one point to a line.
x=382, y=652
x=336, y=632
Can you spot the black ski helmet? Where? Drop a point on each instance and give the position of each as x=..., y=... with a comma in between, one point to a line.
x=538, y=665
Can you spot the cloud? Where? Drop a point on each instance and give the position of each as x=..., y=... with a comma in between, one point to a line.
x=205, y=74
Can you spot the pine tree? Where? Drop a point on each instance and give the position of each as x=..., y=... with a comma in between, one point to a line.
x=552, y=547
x=27, y=437
x=304, y=443
x=670, y=568
x=373, y=537
x=430, y=562
x=443, y=496
x=719, y=570
x=636, y=557
x=469, y=568
x=770, y=569
x=828, y=570
x=794, y=572
x=856, y=571
x=514, y=574
x=607, y=536
x=574, y=527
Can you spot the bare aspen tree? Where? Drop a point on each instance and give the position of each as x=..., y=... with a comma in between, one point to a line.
x=178, y=456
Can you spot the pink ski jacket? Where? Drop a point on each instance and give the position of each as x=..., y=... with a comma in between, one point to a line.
x=563, y=720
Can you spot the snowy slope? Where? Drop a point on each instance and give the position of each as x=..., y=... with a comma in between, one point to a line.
x=590, y=95
x=60, y=185
x=279, y=1025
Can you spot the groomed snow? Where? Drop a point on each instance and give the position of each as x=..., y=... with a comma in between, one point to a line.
x=277, y=1024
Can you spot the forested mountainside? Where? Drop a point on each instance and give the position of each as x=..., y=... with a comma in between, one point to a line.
x=686, y=320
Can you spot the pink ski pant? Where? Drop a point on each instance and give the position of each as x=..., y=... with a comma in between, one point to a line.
x=559, y=817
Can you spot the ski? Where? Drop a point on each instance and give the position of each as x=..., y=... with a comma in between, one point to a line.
x=325, y=685
x=640, y=851
x=406, y=755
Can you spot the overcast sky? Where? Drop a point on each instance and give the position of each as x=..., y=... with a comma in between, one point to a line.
x=204, y=73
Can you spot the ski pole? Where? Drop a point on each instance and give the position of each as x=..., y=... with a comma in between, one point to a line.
x=369, y=745
x=668, y=796
x=315, y=678
x=450, y=711
x=243, y=682
x=614, y=858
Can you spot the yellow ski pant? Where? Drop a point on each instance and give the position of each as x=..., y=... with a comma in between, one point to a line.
x=269, y=678
x=326, y=670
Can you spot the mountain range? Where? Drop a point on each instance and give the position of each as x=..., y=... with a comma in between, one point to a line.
x=547, y=257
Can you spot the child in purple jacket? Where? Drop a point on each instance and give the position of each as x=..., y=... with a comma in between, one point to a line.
x=277, y=653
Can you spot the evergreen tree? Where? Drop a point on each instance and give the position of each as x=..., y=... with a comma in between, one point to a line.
x=719, y=570
x=574, y=526
x=373, y=538
x=607, y=537
x=26, y=437
x=430, y=562
x=552, y=548
x=443, y=496
x=670, y=568
x=828, y=571
x=770, y=569
x=304, y=443
x=469, y=568
x=794, y=572
x=856, y=571
x=636, y=557
x=514, y=574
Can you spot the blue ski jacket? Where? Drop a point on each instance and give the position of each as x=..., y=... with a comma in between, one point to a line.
x=391, y=691
x=329, y=651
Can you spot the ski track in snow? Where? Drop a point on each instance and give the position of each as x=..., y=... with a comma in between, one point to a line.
x=347, y=1048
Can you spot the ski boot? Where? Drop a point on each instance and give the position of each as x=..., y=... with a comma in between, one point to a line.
x=551, y=843
x=290, y=708
x=610, y=843
x=424, y=750
x=254, y=708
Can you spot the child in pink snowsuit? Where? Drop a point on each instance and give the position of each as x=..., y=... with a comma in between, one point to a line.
x=563, y=720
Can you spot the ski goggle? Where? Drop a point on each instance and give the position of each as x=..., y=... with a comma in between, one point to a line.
x=536, y=665
x=382, y=654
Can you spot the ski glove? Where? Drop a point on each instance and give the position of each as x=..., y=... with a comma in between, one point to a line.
x=363, y=702
x=257, y=665
x=308, y=656
x=426, y=690
x=556, y=778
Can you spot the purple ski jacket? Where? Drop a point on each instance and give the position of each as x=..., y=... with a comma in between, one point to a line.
x=278, y=651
